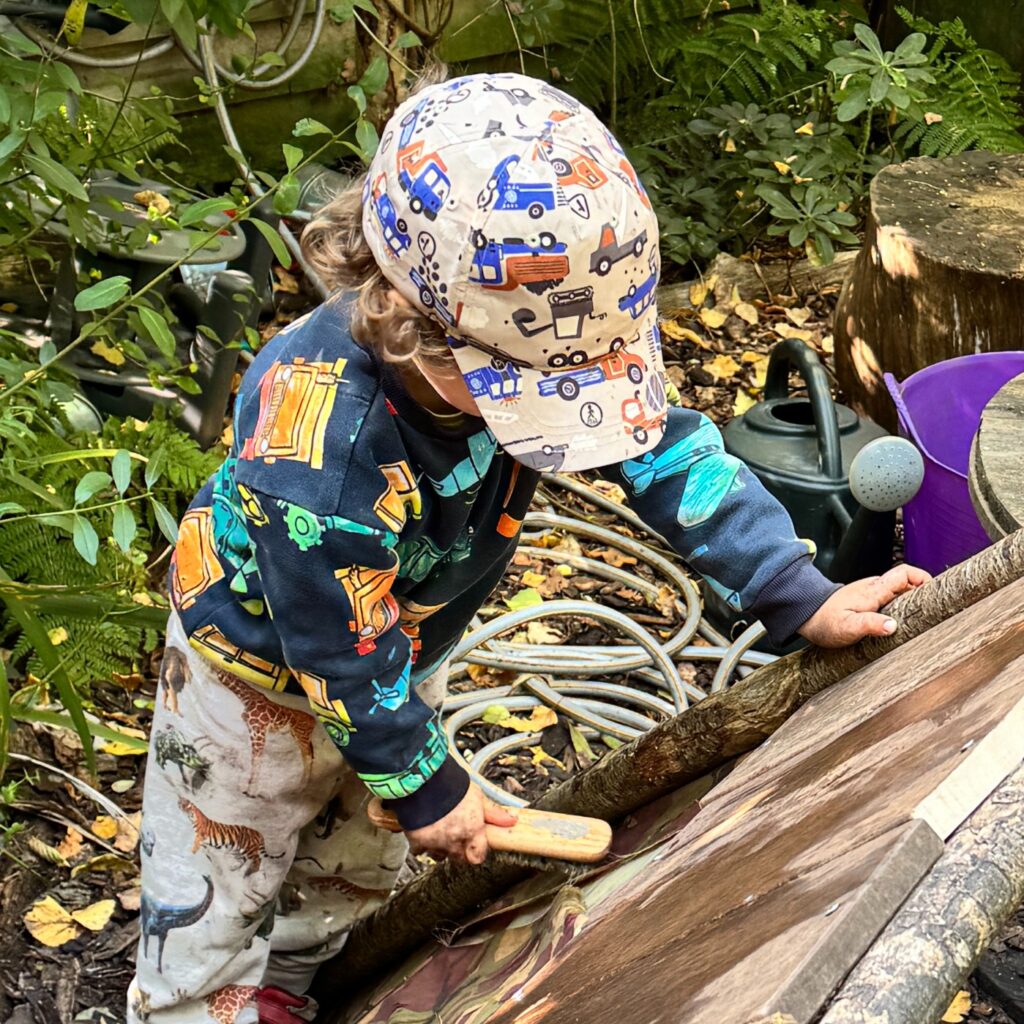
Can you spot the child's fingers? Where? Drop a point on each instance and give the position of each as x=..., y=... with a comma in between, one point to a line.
x=495, y=814
x=476, y=849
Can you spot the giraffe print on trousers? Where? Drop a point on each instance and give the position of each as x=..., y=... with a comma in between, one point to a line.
x=261, y=716
x=226, y=1003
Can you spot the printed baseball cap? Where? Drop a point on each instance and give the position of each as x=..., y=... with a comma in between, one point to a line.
x=505, y=210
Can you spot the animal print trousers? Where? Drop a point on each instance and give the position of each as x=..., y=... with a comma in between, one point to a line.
x=257, y=855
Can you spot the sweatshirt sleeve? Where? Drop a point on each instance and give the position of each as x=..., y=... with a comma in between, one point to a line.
x=720, y=519
x=327, y=584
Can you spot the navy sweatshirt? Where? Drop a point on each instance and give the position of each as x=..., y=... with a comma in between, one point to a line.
x=350, y=537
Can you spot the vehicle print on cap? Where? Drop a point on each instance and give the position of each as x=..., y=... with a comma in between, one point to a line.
x=433, y=301
x=501, y=193
x=609, y=251
x=538, y=264
x=392, y=227
x=516, y=95
x=548, y=458
x=500, y=381
x=567, y=385
x=569, y=309
x=638, y=298
x=638, y=422
x=581, y=171
x=557, y=96
x=424, y=176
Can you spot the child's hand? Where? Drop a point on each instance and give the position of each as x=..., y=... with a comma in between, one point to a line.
x=851, y=614
x=460, y=833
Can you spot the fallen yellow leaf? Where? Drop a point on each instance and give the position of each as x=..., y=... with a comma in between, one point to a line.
x=698, y=293
x=95, y=916
x=540, y=755
x=785, y=331
x=828, y=344
x=722, y=367
x=104, y=862
x=781, y=167
x=105, y=827
x=746, y=311
x=9, y=307
x=113, y=356
x=743, y=403
x=677, y=333
x=713, y=318
x=806, y=129
x=730, y=145
x=533, y=579
x=57, y=635
x=542, y=717
x=71, y=845
x=799, y=315
x=155, y=201
x=49, y=923
x=958, y=1009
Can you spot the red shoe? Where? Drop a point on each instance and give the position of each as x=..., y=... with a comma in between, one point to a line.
x=277, y=1006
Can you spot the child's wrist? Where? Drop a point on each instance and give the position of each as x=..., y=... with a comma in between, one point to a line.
x=439, y=795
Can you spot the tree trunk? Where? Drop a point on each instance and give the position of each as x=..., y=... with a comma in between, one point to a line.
x=683, y=749
x=941, y=273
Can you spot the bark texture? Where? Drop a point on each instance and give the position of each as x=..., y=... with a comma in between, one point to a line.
x=922, y=958
x=680, y=750
x=941, y=273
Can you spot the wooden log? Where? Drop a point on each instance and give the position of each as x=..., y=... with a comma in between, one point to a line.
x=941, y=273
x=683, y=749
x=755, y=280
x=923, y=956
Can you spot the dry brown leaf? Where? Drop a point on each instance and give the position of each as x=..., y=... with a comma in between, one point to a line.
x=49, y=923
x=610, y=490
x=747, y=311
x=285, y=282
x=538, y=632
x=128, y=832
x=71, y=845
x=665, y=602
x=155, y=201
x=713, y=318
x=614, y=557
x=743, y=402
x=958, y=1009
x=932, y=118
x=799, y=315
x=131, y=899
x=555, y=583
x=722, y=367
x=828, y=344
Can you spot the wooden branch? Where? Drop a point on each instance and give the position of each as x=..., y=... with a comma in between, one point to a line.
x=922, y=958
x=687, y=747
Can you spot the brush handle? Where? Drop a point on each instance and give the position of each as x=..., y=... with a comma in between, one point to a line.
x=538, y=833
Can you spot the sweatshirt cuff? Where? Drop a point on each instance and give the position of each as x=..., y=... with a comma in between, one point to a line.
x=440, y=794
x=788, y=600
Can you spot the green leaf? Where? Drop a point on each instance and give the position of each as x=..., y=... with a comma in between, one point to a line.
x=292, y=156
x=407, y=40
x=123, y=527
x=912, y=46
x=121, y=467
x=74, y=21
x=87, y=543
x=308, y=126
x=158, y=331
x=272, y=59
x=47, y=351
x=356, y=94
x=868, y=39
x=853, y=106
x=90, y=484
x=366, y=136
x=879, y=86
x=526, y=598
x=102, y=294
x=54, y=174
x=375, y=76
x=155, y=466
x=164, y=519
x=5, y=107
x=10, y=144
x=197, y=212
x=7, y=507
x=274, y=240
x=287, y=195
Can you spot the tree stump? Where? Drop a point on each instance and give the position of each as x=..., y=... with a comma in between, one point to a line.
x=941, y=273
x=996, y=477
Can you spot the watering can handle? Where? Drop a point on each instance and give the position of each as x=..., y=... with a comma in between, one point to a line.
x=795, y=355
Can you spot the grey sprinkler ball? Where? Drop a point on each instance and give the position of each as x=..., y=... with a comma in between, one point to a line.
x=886, y=473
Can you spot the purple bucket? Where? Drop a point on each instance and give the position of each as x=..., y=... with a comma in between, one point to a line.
x=939, y=409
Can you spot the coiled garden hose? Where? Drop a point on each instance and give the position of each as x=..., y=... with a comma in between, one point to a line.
x=564, y=677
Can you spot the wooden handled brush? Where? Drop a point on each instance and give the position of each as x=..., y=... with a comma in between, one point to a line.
x=535, y=833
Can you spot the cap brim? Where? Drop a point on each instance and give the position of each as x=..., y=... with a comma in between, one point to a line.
x=574, y=418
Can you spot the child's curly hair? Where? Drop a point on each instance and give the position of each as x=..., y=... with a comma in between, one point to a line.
x=334, y=245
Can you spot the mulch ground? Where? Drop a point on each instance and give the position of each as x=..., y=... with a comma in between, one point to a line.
x=73, y=871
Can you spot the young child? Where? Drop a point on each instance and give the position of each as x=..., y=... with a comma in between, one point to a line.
x=495, y=318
